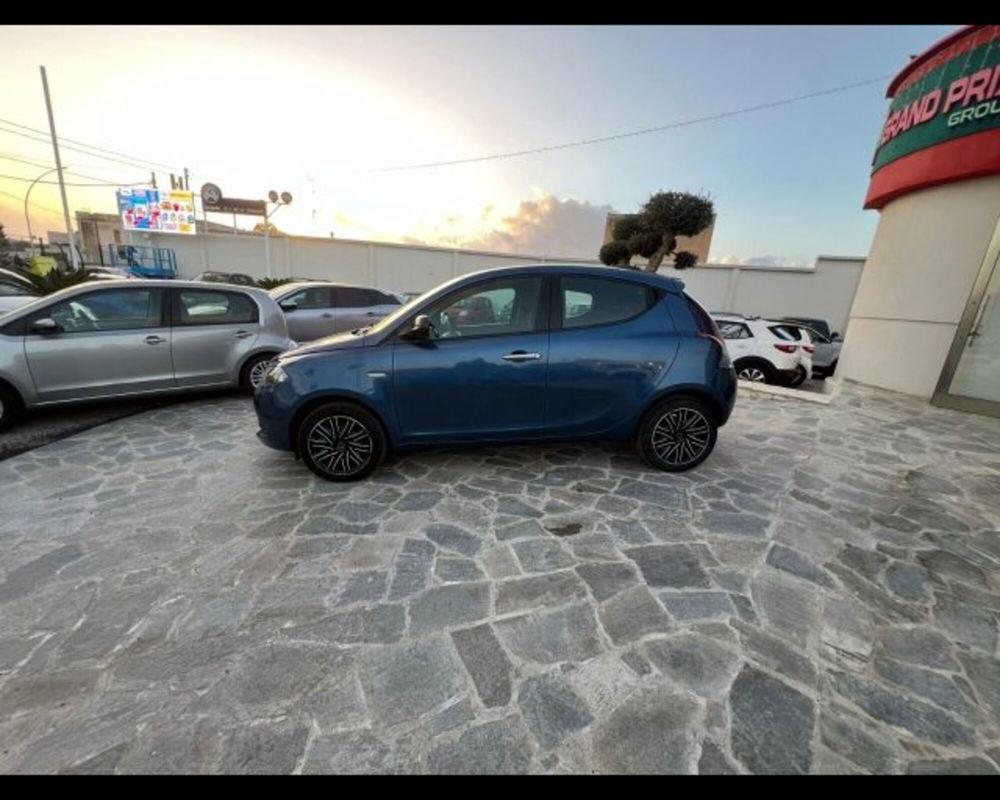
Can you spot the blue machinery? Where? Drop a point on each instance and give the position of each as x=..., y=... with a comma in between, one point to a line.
x=144, y=261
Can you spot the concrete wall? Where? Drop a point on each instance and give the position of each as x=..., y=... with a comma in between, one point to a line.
x=927, y=252
x=825, y=290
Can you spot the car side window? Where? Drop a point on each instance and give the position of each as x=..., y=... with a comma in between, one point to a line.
x=312, y=297
x=734, y=330
x=197, y=307
x=787, y=332
x=600, y=301
x=496, y=308
x=115, y=310
x=11, y=289
x=355, y=297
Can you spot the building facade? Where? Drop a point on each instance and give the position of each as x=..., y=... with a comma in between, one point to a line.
x=926, y=317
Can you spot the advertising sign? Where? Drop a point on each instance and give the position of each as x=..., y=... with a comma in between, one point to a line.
x=943, y=122
x=160, y=210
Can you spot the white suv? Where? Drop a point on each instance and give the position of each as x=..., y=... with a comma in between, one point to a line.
x=761, y=354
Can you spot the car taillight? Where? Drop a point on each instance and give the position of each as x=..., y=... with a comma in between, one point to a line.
x=787, y=348
x=808, y=348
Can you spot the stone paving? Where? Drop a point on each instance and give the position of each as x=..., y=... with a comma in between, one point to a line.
x=822, y=595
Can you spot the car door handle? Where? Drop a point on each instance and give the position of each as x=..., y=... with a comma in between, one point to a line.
x=521, y=355
x=326, y=315
x=243, y=334
x=155, y=339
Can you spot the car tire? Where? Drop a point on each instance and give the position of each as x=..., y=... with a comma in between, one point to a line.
x=10, y=407
x=799, y=379
x=755, y=370
x=254, y=370
x=677, y=434
x=341, y=441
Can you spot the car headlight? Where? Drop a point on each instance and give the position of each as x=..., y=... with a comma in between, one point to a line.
x=276, y=375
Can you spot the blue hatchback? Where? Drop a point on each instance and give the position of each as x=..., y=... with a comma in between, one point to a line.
x=511, y=355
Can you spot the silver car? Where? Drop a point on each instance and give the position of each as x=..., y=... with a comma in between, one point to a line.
x=106, y=339
x=15, y=291
x=316, y=309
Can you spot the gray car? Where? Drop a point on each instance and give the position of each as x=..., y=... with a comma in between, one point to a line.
x=316, y=309
x=826, y=350
x=108, y=339
x=15, y=291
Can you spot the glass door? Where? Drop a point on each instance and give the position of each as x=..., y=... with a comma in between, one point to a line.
x=970, y=380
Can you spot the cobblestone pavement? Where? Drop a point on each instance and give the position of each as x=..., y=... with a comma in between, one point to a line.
x=822, y=595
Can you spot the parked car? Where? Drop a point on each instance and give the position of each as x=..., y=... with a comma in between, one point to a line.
x=15, y=291
x=643, y=362
x=826, y=352
x=757, y=352
x=107, y=339
x=819, y=325
x=235, y=278
x=319, y=308
x=800, y=336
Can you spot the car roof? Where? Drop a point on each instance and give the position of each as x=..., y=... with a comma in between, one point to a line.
x=670, y=284
x=325, y=284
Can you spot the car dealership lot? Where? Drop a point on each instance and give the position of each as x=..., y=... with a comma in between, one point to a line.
x=821, y=595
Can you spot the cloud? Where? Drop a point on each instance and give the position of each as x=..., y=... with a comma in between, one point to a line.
x=761, y=261
x=546, y=225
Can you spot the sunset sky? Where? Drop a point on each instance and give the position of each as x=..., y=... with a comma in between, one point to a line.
x=321, y=112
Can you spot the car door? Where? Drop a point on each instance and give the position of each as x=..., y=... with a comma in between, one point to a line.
x=356, y=307
x=612, y=341
x=108, y=342
x=314, y=316
x=476, y=383
x=213, y=331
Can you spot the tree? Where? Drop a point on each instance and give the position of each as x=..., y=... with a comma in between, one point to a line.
x=272, y=229
x=6, y=252
x=652, y=233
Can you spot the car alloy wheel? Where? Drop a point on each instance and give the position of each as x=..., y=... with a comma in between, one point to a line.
x=340, y=445
x=258, y=371
x=681, y=436
x=755, y=374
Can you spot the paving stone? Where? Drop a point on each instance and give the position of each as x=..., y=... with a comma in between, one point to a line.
x=772, y=724
x=450, y=717
x=686, y=606
x=776, y=654
x=517, y=508
x=452, y=538
x=713, y=761
x=376, y=625
x=790, y=607
x=527, y=529
x=103, y=763
x=856, y=740
x=418, y=501
x=551, y=709
x=984, y=673
x=948, y=565
x=446, y=606
x=908, y=581
x=924, y=646
x=919, y=718
x=847, y=632
x=492, y=748
x=737, y=553
x=25, y=579
x=538, y=591
x=457, y=570
x=353, y=753
x=630, y=532
x=499, y=562
x=364, y=587
x=406, y=680
x=541, y=555
x=565, y=635
x=953, y=766
x=266, y=748
x=671, y=565
x=608, y=579
x=38, y=693
x=632, y=614
x=651, y=733
x=734, y=524
x=636, y=661
x=789, y=560
x=603, y=682
x=867, y=563
x=875, y=598
x=670, y=496
x=967, y=623
x=486, y=662
x=411, y=569
x=701, y=664
x=924, y=683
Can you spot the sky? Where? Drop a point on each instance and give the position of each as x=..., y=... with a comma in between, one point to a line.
x=322, y=112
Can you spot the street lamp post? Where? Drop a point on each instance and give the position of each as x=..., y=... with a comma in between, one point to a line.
x=27, y=216
x=284, y=199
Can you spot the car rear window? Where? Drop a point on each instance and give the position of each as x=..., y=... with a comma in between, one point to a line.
x=197, y=307
x=600, y=301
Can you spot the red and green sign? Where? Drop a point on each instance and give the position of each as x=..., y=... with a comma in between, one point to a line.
x=944, y=120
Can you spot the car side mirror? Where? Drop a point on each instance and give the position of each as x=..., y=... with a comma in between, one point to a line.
x=835, y=337
x=288, y=308
x=421, y=330
x=45, y=325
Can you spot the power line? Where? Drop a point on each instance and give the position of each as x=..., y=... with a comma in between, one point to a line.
x=627, y=134
x=31, y=203
x=90, y=146
x=56, y=183
x=34, y=163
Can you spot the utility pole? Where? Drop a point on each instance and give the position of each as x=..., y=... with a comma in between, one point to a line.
x=62, y=183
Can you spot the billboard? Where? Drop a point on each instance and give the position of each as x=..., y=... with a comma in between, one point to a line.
x=162, y=210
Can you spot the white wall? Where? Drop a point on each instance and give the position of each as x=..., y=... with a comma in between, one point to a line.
x=824, y=291
x=927, y=252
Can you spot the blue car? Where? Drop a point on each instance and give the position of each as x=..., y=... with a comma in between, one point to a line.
x=553, y=353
